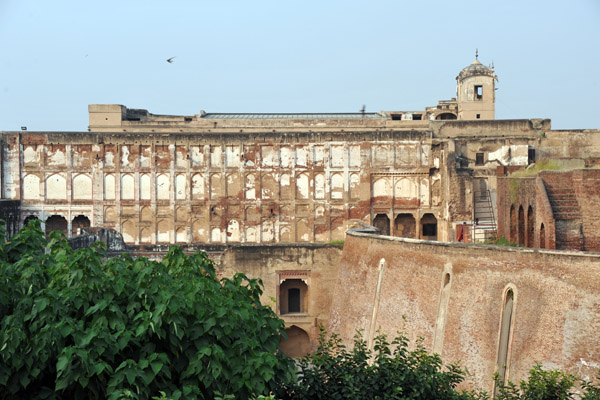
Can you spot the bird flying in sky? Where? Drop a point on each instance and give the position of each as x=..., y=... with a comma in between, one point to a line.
x=170, y=60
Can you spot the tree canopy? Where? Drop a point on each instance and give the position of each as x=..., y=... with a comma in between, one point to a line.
x=74, y=324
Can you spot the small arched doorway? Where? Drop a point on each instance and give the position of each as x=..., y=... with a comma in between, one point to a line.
x=382, y=222
x=29, y=219
x=80, y=221
x=429, y=227
x=297, y=344
x=542, y=237
x=56, y=223
x=444, y=116
x=405, y=226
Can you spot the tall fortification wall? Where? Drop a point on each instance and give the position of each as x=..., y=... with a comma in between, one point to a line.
x=455, y=297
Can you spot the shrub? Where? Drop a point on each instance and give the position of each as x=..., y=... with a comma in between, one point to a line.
x=541, y=385
x=75, y=325
x=391, y=371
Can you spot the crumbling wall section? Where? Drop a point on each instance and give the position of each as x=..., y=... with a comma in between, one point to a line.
x=227, y=188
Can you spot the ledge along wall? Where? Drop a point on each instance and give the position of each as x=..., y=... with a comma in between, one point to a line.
x=555, y=318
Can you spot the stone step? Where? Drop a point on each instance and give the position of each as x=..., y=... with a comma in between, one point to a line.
x=562, y=197
x=567, y=215
x=565, y=208
x=559, y=190
x=565, y=205
x=573, y=200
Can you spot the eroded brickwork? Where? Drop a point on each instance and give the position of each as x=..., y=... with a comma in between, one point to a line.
x=554, y=210
x=453, y=295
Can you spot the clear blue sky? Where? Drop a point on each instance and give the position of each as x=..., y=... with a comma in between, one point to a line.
x=58, y=56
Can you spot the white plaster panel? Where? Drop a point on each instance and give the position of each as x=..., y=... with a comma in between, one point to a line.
x=145, y=187
x=406, y=188
x=197, y=186
x=232, y=156
x=31, y=187
x=109, y=187
x=56, y=187
x=382, y=188
x=197, y=156
x=181, y=187
x=301, y=156
x=250, y=187
x=30, y=155
x=302, y=186
x=82, y=187
x=163, y=187
x=337, y=186
x=354, y=156
x=215, y=156
x=319, y=186
x=285, y=153
x=338, y=156
x=127, y=187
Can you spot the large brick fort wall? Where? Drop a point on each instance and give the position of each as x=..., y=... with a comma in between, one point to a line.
x=453, y=296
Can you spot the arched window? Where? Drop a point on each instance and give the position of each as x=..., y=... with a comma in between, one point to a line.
x=80, y=221
x=292, y=296
x=521, y=226
x=505, y=333
x=56, y=223
x=542, y=237
x=530, y=227
x=513, y=224
x=429, y=227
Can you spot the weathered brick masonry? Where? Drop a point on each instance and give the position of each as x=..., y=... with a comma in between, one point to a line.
x=555, y=210
x=453, y=295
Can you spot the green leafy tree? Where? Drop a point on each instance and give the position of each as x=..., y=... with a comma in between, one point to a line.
x=391, y=371
x=541, y=385
x=75, y=325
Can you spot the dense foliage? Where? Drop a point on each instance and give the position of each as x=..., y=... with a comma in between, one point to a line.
x=74, y=325
x=548, y=385
x=390, y=371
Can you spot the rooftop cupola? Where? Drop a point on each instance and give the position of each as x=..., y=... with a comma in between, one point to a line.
x=475, y=91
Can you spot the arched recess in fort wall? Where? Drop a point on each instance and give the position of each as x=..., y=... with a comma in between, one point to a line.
x=553, y=292
x=298, y=276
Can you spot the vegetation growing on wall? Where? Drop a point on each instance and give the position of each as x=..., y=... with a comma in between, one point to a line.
x=502, y=241
x=74, y=325
x=534, y=169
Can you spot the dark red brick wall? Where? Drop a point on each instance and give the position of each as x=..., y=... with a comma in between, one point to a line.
x=587, y=188
x=568, y=234
x=515, y=192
